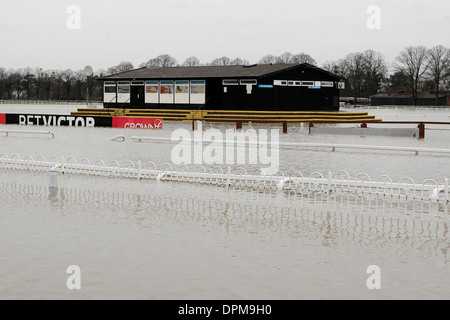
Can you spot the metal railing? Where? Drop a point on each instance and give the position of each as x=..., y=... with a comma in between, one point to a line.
x=328, y=186
x=331, y=146
x=49, y=102
x=35, y=132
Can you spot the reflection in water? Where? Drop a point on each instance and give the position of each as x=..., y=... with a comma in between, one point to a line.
x=334, y=223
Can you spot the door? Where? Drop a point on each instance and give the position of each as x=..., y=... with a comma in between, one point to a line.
x=137, y=97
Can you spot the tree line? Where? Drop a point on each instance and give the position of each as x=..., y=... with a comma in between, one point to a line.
x=415, y=69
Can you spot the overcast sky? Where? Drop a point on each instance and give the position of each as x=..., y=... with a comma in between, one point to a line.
x=35, y=33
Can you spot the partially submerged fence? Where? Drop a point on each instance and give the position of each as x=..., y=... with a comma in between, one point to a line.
x=339, y=187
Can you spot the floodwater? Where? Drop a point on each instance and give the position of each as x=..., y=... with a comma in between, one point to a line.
x=167, y=240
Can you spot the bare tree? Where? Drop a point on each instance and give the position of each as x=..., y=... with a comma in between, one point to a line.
x=58, y=76
x=413, y=62
x=163, y=61
x=8, y=83
x=224, y=61
x=438, y=67
x=17, y=78
x=302, y=58
x=3, y=75
x=239, y=62
x=48, y=77
x=68, y=79
x=79, y=80
x=191, y=62
x=285, y=58
x=332, y=66
x=29, y=81
x=375, y=71
x=353, y=68
x=125, y=66
x=268, y=59
x=39, y=80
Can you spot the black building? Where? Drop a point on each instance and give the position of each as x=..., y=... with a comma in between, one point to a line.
x=254, y=87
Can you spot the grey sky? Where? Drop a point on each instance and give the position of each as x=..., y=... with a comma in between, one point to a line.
x=34, y=33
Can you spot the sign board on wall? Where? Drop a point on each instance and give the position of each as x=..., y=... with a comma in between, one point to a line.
x=81, y=121
x=137, y=123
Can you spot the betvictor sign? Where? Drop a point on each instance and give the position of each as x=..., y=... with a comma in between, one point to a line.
x=81, y=121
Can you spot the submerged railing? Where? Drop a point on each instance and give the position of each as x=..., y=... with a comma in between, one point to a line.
x=330, y=186
x=33, y=132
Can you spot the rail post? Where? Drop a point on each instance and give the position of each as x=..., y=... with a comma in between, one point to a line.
x=238, y=125
x=421, y=131
x=285, y=127
x=311, y=125
x=446, y=190
x=139, y=173
x=364, y=125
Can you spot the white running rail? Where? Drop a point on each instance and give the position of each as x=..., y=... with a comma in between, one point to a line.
x=7, y=132
x=331, y=184
x=333, y=147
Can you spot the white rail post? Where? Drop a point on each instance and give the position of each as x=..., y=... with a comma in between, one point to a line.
x=62, y=164
x=139, y=170
x=228, y=176
x=446, y=195
x=330, y=179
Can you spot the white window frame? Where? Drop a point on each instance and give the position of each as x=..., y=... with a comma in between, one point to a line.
x=328, y=84
x=245, y=82
x=308, y=83
x=149, y=96
x=230, y=82
x=123, y=97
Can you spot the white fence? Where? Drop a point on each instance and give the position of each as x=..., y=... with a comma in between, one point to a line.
x=50, y=102
x=339, y=187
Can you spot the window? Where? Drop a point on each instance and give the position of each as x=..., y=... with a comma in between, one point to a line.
x=291, y=83
x=123, y=88
x=110, y=89
x=166, y=87
x=253, y=82
x=151, y=92
x=197, y=87
x=298, y=83
x=182, y=92
x=198, y=92
x=182, y=87
x=328, y=84
x=308, y=83
x=230, y=82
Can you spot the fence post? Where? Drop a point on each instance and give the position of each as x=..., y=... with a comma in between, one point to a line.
x=421, y=131
x=62, y=164
x=139, y=170
x=285, y=127
x=446, y=196
x=238, y=125
x=228, y=176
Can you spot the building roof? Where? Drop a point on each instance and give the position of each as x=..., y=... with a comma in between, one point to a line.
x=202, y=72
